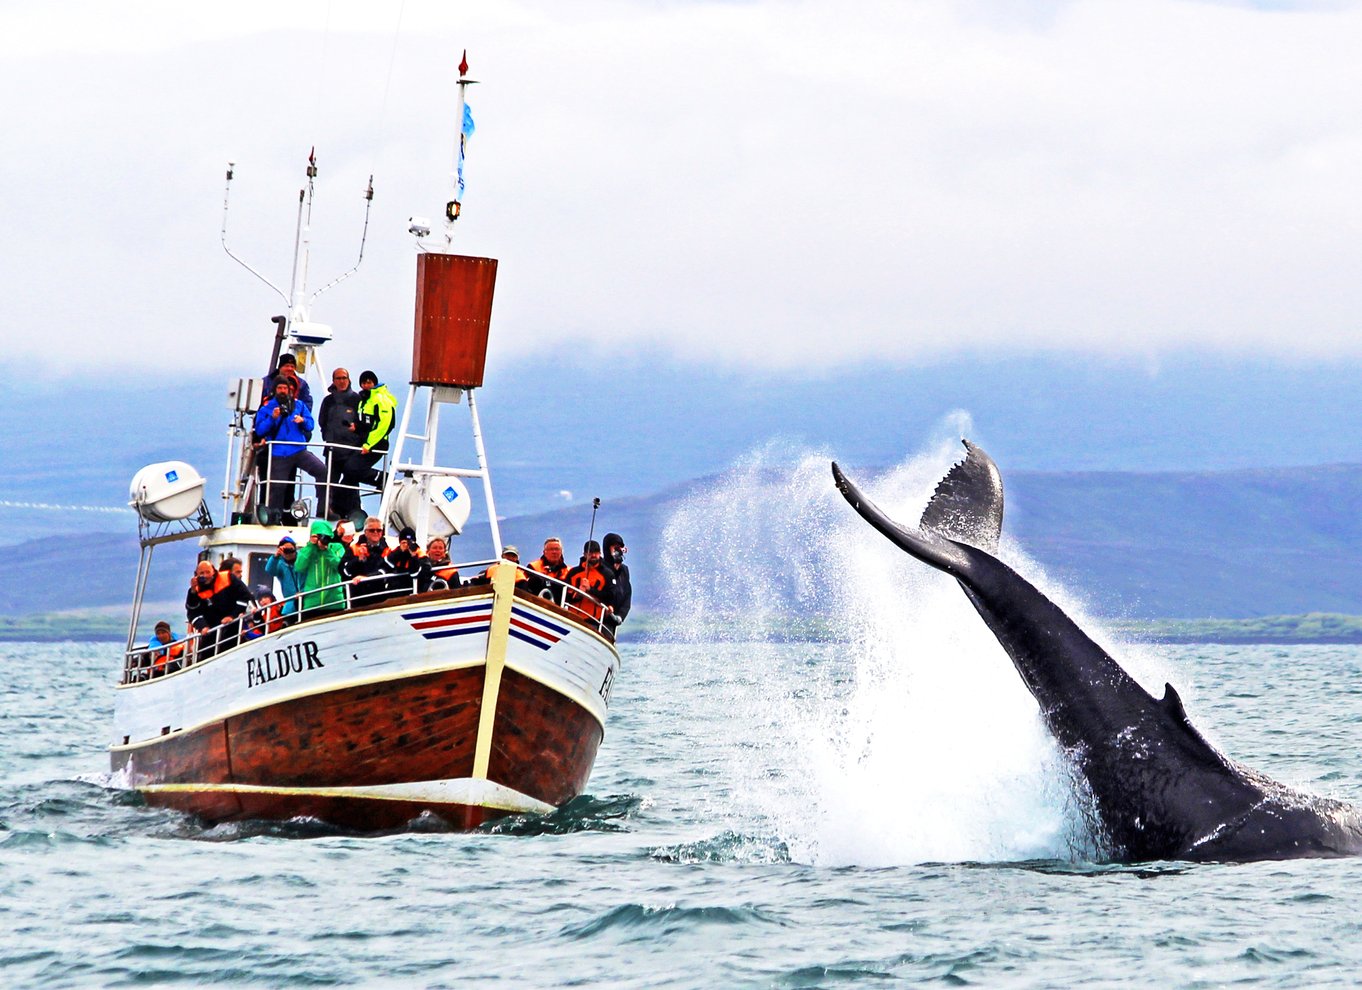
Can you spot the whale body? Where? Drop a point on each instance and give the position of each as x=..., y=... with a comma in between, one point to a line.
x=1159, y=789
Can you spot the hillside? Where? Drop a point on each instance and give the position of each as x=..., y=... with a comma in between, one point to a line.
x=1175, y=545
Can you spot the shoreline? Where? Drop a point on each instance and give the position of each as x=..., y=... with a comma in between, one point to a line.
x=1315, y=628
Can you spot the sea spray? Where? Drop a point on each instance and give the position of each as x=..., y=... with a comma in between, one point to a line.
x=912, y=739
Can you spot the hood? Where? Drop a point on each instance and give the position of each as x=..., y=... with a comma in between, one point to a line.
x=321, y=528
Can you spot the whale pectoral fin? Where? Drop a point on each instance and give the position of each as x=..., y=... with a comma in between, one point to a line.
x=930, y=549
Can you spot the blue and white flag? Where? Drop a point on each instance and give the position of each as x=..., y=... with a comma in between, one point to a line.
x=465, y=132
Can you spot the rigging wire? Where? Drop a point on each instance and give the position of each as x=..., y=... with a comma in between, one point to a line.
x=380, y=125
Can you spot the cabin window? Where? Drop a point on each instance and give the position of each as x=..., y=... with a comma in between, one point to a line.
x=256, y=574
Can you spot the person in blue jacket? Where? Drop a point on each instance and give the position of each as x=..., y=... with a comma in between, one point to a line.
x=283, y=426
x=280, y=567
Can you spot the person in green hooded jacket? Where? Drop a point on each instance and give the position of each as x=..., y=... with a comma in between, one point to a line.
x=318, y=568
x=377, y=413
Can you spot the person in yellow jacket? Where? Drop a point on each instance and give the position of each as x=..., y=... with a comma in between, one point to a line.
x=377, y=412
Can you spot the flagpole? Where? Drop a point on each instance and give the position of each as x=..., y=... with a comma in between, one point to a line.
x=455, y=204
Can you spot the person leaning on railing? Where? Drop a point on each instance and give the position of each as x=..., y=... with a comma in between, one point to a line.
x=216, y=600
x=162, y=647
x=283, y=426
x=366, y=565
x=441, y=567
x=408, y=561
x=550, y=564
x=377, y=414
x=590, y=585
x=318, y=566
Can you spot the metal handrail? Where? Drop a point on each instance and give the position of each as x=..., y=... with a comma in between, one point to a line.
x=147, y=662
x=263, y=482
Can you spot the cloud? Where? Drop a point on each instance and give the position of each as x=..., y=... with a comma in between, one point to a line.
x=768, y=184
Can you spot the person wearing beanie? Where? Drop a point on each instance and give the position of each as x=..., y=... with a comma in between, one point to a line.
x=280, y=566
x=590, y=588
x=283, y=426
x=377, y=412
x=288, y=368
x=409, y=565
x=621, y=589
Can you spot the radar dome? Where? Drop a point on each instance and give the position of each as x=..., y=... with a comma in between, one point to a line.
x=166, y=491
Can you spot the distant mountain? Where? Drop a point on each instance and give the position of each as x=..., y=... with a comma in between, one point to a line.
x=561, y=428
x=1233, y=544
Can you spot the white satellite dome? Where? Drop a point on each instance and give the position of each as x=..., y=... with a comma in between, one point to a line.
x=166, y=491
x=450, y=505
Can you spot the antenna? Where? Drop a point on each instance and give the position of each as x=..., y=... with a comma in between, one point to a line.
x=297, y=296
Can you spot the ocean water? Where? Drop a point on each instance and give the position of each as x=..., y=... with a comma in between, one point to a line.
x=753, y=821
x=881, y=808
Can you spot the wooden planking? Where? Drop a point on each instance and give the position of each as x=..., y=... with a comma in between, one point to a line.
x=541, y=747
x=416, y=728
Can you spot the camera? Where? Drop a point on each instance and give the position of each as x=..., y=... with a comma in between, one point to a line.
x=324, y=540
x=286, y=405
x=418, y=226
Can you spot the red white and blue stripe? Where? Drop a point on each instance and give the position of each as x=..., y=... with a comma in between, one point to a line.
x=535, y=629
x=470, y=620
x=453, y=620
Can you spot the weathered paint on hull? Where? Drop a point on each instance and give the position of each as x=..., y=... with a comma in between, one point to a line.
x=281, y=761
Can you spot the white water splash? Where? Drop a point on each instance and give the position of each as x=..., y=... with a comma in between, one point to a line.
x=911, y=738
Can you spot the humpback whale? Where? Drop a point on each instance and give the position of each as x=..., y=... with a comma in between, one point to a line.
x=1159, y=789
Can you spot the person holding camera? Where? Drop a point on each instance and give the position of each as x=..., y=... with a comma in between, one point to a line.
x=318, y=566
x=366, y=566
x=283, y=426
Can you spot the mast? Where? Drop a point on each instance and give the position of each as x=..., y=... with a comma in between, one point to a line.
x=449, y=352
x=465, y=131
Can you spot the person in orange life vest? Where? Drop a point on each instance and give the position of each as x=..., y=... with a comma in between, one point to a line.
x=215, y=601
x=508, y=552
x=551, y=564
x=267, y=617
x=437, y=553
x=592, y=594
x=160, y=647
x=409, y=561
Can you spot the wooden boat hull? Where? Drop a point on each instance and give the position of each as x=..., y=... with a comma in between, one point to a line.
x=368, y=720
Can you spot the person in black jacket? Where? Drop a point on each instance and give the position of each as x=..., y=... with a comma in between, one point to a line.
x=338, y=419
x=410, y=568
x=215, y=605
x=366, y=565
x=617, y=572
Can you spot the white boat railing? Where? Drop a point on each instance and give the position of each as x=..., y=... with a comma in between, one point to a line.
x=148, y=662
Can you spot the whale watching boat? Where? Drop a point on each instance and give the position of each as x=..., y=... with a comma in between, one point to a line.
x=465, y=702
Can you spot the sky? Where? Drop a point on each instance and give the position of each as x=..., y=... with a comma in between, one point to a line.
x=770, y=185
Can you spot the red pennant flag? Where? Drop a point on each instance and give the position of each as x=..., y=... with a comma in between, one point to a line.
x=463, y=66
